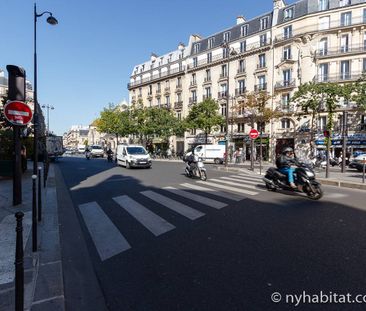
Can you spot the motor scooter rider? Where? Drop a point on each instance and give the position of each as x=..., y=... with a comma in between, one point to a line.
x=192, y=161
x=284, y=163
x=87, y=153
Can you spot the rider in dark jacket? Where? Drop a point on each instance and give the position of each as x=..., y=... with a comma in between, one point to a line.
x=284, y=163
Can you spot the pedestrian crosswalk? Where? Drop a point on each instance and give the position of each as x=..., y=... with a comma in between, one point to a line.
x=212, y=194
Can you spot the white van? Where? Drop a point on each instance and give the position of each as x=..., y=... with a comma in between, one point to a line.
x=133, y=156
x=210, y=153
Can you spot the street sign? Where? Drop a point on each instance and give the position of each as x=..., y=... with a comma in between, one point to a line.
x=253, y=134
x=18, y=112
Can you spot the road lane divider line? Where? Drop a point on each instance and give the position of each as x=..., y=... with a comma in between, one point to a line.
x=196, y=197
x=175, y=206
x=242, y=191
x=105, y=235
x=226, y=195
x=154, y=223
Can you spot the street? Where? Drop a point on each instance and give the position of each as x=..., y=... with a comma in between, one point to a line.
x=153, y=239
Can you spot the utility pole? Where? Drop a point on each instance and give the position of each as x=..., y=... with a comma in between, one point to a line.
x=344, y=141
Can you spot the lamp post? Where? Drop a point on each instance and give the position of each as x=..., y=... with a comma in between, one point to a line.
x=226, y=46
x=48, y=116
x=52, y=21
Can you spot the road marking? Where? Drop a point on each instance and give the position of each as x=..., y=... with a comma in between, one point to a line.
x=197, y=198
x=215, y=192
x=105, y=235
x=154, y=223
x=241, y=180
x=8, y=244
x=235, y=184
x=253, y=177
x=227, y=187
x=176, y=206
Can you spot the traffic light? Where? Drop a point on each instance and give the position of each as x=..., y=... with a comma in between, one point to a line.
x=326, y=134
x=16, y=83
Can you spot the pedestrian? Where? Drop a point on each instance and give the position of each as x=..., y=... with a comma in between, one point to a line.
x=237, y=156
x=23, y=155
x=241, y=158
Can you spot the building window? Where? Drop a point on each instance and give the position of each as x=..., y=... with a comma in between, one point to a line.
x=346, y=19
x=225, y=53
x=323, y=5
x=150, y=102
x=179, y=115
x=262, y=60
x=209, y=57
x=243, y=46
x=285, y=100
x=287, y=52
x=364, y=15
x=345, y=70
x=208, y=75
x=140, y=91
x=196, y=48
x=208, y=92
x=323, y=47
x=167, y=100
x=211, y=43
x=194, y=96
x=364, y=65
x=223, y=71
x=195, y=62
x=241, y=127
x=223, y=90
x=344, y=43
x=344, y=2
x=287, y=32
x=324, y=22
x=364, y=40
x=261, y=83
x=241, y=87
x=263, y=39
x=193, y=81
x=323, y=72
x=322, y=123
x=223, y=110
x=227, y=36
x=241, y=66
x=264, y=23
x=286, y=74
x=193, y=132
x=289, y=13
x=244, y=30
x=285, y=123
x=179, y=82
x=223, y=129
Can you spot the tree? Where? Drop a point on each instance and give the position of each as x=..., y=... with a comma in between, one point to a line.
x=205, y=116
x=359, y=92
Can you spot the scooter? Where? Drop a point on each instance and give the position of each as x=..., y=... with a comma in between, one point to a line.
x=304, y=176
x=199, y=171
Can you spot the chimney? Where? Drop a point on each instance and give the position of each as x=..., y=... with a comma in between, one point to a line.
x=240, y=20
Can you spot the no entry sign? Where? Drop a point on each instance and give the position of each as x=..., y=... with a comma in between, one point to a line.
x=253, y=134
x=17, y=112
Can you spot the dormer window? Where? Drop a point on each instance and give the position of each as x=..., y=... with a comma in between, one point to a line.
x=211, y=42
x=196, y=48
x=264, y=23
x=227, y=36
x=289, y=13
x=244, y=30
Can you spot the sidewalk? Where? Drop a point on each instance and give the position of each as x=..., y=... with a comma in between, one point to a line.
x=43, y=281
x=349, y=179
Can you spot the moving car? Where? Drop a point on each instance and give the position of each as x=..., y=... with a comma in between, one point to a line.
x=133, y=156
x=358, y=162
x=96, y=151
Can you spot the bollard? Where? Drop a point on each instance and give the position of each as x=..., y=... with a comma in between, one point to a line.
x=39, y=194
x=34, y=214
x=19, y=268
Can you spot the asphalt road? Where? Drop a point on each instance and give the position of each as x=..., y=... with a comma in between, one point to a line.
x=125, y=242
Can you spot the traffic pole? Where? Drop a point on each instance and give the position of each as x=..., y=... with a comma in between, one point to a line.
x=39, y=194
x=34, y=214
x=19, y=268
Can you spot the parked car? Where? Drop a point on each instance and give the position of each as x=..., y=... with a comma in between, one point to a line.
x=96, y=151
x=358, y=162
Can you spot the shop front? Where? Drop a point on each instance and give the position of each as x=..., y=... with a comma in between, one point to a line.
x=355, y=142
x=200, y=139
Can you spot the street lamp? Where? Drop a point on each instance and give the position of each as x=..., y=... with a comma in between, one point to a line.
x=228, y=52
x=52, y=21
x=48, y=116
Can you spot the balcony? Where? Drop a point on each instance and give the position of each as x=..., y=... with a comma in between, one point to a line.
x=192, y=101
x=165, y=106
x=285, y=84
x=260, y=87
x=178, y=104
x=149, y=95
x=222, y=95
x=158, y=93
x=223, y=76
x=261, y=68
x=240, y=91
x=167, y=90
x=207, y=80
x=139, y=96
x=241, y=72
x=193, y=84
x=286, y=108
x=345, y=50
x=204, y=97
x=178, y=88
x=341, y=77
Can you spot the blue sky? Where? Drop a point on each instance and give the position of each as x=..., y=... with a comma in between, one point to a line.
x=85, y=61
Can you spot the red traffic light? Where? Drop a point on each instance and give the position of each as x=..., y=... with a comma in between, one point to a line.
x=326, y=134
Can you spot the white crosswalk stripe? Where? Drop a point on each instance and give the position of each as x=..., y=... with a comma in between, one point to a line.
x=233, y=189
x=105, y=235
x=215, y=192
x=196, y=197
x=236, y=184
x=148, y=219
x=238, y=179
x=175, y=206
x=253, y=177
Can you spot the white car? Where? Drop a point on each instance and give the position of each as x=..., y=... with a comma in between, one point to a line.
x=96, y=151
x=133, y=156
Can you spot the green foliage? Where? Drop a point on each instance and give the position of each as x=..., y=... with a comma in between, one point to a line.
x=359, y=92
x=205, y=116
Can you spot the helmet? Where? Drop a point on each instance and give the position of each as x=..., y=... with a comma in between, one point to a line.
x=287, y=149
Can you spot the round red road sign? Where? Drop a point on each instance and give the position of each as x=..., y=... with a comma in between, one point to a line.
x=253, y=134
x=17, y=112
